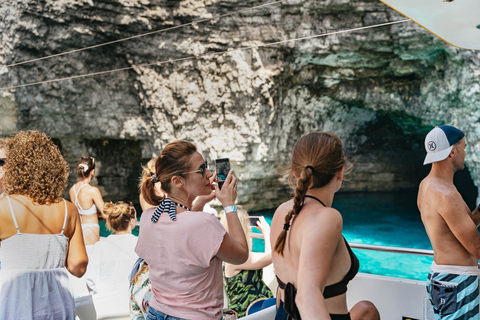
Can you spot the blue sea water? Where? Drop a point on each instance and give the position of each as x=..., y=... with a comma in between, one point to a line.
x=386, y=219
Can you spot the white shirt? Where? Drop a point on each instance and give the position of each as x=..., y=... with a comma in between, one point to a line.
x=110, y=263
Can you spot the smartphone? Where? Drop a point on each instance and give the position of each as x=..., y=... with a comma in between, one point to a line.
x=222, y=167
x=253, y=220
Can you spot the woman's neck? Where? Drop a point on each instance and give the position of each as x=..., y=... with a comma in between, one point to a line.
x=85, y=181
x=118, y=233
x=325, y=194
x=181, y=200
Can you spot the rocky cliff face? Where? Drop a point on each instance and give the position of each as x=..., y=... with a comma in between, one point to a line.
x=379, y=89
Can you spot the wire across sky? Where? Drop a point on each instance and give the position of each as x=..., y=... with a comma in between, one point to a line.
x=191, y=57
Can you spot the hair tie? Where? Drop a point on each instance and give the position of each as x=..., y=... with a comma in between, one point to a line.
x=84, y=166
x=286, y=226
x=311, y=168
x=154, y=178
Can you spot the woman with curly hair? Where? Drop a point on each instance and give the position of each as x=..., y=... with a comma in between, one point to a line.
x=41, y=235
x=312, y=260
x=86, y=196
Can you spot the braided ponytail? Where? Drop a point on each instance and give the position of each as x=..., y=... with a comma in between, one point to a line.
x=316, y=158
x=303, y=184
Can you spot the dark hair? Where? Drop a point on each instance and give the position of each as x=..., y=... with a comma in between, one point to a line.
x=174, y=160
x=85, y=166
x=316, y=158
x=119, y=215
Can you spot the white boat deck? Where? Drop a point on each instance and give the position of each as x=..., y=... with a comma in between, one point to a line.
x=395, y=298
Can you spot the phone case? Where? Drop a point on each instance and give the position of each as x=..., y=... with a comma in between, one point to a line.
x=223, y=167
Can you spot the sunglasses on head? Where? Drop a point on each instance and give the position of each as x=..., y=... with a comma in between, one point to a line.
x=202, y=169
x=2, y=161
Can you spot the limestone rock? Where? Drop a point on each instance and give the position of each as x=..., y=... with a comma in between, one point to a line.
x=380, y=89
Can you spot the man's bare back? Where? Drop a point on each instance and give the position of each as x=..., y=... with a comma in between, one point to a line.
x=452, y=283
x=448, y=222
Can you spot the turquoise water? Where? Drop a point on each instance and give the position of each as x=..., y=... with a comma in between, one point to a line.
x=385, y=219
x=105, y=233
x=382, y=219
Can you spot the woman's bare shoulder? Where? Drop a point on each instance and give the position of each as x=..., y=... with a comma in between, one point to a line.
x=287, y=205
x=327, y=222
x=91, y=189
x=282, y=210
x=70, y=206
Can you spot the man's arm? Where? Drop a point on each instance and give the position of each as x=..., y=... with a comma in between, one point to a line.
x=476, y=216
x=455, y=212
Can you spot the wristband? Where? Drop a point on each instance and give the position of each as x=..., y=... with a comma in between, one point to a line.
x=230, y=209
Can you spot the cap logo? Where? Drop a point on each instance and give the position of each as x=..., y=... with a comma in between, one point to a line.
x=432, y=146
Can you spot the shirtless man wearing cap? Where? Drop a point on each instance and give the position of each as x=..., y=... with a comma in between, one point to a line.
x=452, y=283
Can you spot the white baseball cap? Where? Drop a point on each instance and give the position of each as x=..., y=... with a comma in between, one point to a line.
x=439, y=142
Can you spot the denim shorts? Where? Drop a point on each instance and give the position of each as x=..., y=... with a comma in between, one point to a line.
x=158, y=315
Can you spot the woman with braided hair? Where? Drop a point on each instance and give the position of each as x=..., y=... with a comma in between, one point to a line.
x=313, y=261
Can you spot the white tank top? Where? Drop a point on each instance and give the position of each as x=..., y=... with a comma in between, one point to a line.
x=38, y=259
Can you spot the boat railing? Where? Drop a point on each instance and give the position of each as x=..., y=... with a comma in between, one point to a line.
x=418, y=252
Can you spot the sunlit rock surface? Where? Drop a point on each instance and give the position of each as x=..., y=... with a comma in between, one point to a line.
x=379, y=89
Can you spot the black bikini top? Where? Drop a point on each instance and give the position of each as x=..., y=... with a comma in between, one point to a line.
x=330, y=291
x=340, y=287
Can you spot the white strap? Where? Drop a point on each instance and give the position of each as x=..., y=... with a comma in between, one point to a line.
x=77, y=204
x=66, y=213
x=13, y=214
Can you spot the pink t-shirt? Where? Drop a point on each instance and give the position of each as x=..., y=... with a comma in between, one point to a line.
x=186, y=276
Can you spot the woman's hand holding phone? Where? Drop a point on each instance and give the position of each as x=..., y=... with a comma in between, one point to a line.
x=228, y=193
x=263, y=225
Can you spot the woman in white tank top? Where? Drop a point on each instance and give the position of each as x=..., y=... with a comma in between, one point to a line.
x=88, y=200
x=40, y=233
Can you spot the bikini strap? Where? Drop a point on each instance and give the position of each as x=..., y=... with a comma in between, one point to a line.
x=308, y=196
x=281, y=284
x=13, y=214
x=77, y=204
x=65, y=220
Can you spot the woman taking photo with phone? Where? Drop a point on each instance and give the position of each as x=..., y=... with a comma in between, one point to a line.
x=84, y=196
x=312, y=260
x=244, y=283
x=184, y=247
x=41, y=235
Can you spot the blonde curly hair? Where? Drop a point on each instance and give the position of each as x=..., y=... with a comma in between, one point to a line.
x=35, y=167
x=119, y=215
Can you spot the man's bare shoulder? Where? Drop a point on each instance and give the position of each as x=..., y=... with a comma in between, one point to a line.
x=437, y=195
x=438, y=188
